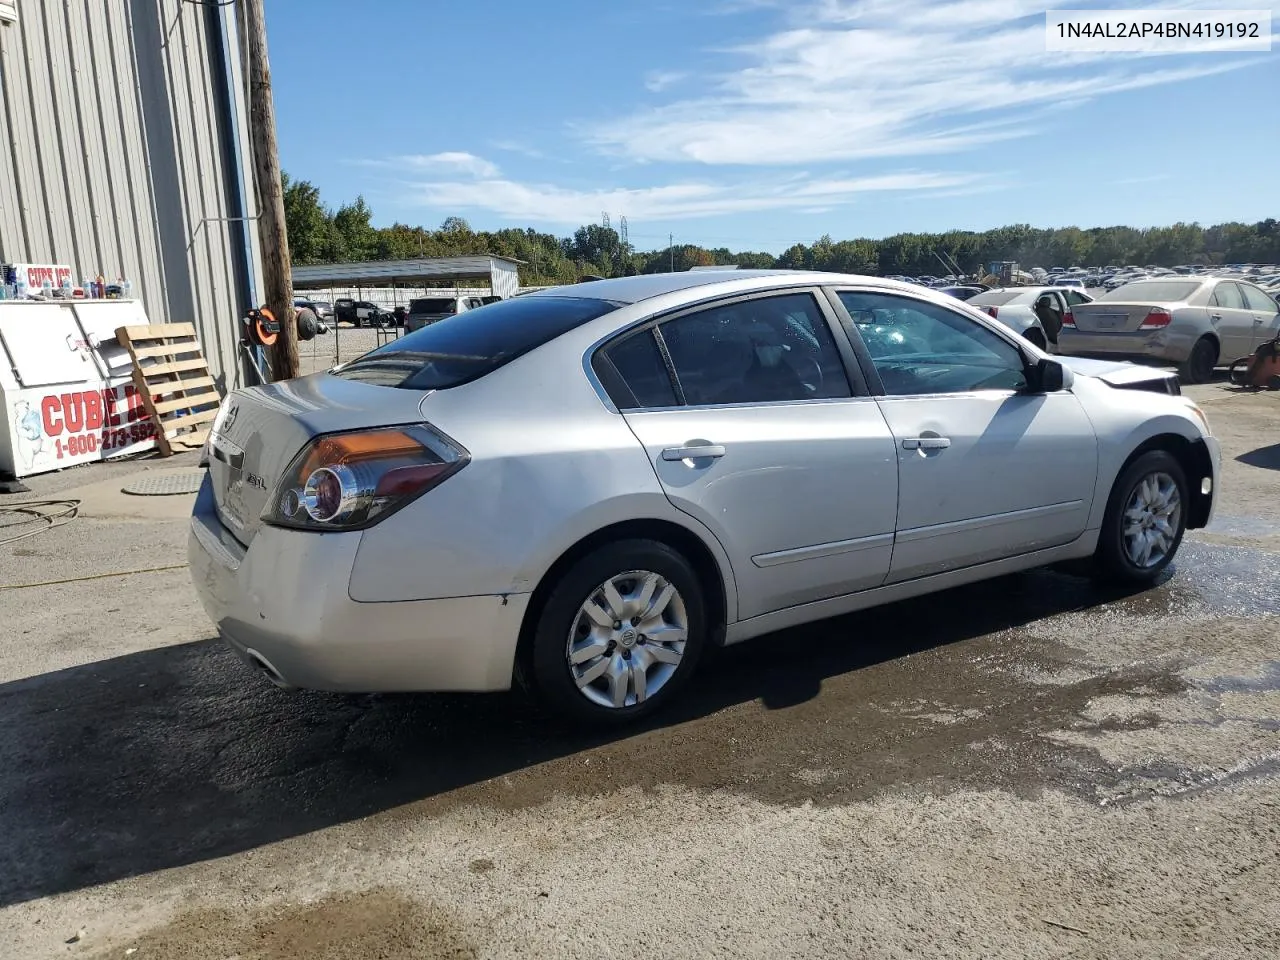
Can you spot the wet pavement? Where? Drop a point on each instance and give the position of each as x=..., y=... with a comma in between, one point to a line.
x=1032, y=766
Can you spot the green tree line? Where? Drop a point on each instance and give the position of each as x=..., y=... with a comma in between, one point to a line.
x=320, y=234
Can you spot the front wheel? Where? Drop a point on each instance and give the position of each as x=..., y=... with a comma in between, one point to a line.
x=619, y=635
x=1145, y=519
x=1198, y=367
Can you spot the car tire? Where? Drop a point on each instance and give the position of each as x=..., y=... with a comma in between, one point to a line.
x=1198, y=367
x=564, y=632
x=1150, y=489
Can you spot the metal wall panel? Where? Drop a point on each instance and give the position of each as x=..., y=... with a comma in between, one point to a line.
x=119, y=155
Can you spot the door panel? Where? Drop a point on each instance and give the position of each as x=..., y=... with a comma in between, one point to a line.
x=985, y=469
x=1266, y=313
x=803, y=499
x=1233, y=322
x=1017, y=476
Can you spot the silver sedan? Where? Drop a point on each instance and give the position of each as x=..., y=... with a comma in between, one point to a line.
x=584, y=488
x=1198, y=323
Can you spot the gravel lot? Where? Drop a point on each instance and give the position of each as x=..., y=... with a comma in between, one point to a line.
x=1029, y=767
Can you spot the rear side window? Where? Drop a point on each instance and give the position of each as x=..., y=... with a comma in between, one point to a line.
x=634, y=374
x=1227, y=295
x=763, y=350
x=465, y=347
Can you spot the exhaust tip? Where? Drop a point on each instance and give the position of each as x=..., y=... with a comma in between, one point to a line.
x=265, y=665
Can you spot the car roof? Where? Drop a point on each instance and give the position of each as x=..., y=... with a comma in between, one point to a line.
x=650, y=285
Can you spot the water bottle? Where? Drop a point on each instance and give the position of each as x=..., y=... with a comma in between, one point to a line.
x=46, y=290
x=126, y=289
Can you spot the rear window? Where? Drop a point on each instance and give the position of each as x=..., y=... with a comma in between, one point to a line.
x=1153, y=291
x=466, y=346
x=433, y=305
x=994, y=298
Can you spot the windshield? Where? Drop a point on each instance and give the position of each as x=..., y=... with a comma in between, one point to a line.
x=434, y=305
x=466, y=346
x=1154, y=291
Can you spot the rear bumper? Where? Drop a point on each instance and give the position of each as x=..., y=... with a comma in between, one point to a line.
x=1155, y=346
x=284, y=601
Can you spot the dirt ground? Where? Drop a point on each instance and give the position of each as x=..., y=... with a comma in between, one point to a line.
x=1027, y=768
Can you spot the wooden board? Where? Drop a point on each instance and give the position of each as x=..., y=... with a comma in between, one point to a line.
x=182, y=375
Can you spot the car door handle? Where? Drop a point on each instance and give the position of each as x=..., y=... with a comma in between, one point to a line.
x=699, y=451
x=926, y=443
x=1258, y=321
x=1215, y=316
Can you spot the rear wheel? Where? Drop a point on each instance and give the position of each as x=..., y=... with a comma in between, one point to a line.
x=1145, y=519
x=1198, y=368
x=619, y=635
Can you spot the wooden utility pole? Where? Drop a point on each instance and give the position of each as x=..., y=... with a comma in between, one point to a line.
x=277, y=271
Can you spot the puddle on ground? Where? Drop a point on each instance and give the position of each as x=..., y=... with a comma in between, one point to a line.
x=375, y=923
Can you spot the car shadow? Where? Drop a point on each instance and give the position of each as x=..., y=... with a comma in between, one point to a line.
x=176, y=755
x=1268, y=458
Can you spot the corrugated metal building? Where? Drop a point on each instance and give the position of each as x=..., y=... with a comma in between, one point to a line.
x=124, y=151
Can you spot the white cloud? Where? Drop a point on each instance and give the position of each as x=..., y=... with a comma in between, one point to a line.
x=659, y=80
x=854, y=79
x=676, y=201
x=455, y=162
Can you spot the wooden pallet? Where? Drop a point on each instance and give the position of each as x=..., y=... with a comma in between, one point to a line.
x=173, y=380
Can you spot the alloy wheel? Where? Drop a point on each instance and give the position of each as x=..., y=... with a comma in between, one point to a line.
x=628, y=639
x=1151, y=520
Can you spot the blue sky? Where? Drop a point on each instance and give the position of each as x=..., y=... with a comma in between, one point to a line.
x=755, y=124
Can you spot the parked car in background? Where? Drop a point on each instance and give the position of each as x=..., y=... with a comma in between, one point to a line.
x=1198, y=323
x=1036, y=313
x=323, y=309
x=362, y=313
x=427, y=310
x=587, y=487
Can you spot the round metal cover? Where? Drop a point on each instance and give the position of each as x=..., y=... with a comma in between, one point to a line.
x=165, y=484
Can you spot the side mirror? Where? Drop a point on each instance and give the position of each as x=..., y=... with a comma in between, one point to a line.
x=1048, y=376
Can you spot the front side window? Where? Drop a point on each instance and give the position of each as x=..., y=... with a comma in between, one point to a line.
x=1258, y=301
x=763, y=350
x=920, y=348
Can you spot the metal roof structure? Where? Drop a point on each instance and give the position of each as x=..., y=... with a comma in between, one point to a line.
x=501, y=273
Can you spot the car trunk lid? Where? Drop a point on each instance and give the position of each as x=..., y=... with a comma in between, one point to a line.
x=260, y=430
x=1109, y=316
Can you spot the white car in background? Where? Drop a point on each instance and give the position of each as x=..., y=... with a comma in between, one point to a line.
x=1036, y=313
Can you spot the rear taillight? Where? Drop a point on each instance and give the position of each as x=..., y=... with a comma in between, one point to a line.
x=1069, y=320
x=992, y=312
x=1156, y=318
x=347, y=481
